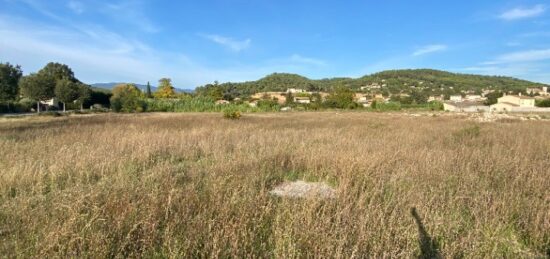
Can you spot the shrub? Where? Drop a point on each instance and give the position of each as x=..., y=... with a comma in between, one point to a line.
x=231, y=114
x=127, y=98
x=543, y=103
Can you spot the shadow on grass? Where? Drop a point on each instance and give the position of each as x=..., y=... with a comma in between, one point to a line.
x=429, y=248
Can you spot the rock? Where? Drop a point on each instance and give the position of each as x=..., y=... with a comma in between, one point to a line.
x=301, y=189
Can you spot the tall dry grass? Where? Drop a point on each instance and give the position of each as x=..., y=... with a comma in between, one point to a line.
x=196, y=185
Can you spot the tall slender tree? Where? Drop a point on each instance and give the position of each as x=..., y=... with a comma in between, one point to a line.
x=148, y=92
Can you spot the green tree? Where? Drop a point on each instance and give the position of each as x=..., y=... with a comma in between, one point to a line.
x=148, y=92
x=341, y=97
x=38, y=87
x=9, y=82
x=419, y=97
x=84, y=94
x=543, y=103
x=165, y=89
x=58, y=71
x=66, y=91
x=492, y=98
x=127, y=98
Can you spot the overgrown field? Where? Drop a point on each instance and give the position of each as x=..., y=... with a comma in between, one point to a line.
x=197, y=185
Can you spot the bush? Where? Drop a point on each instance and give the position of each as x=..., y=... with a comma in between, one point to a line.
x=543, y=103
x=24, y=105
x=127, y=98
x=231, y=114
x=50, y=114
x=390, y=106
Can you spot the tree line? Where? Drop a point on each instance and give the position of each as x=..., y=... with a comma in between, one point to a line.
x=54, y=80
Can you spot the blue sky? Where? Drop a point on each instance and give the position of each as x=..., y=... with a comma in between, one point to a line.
x=197, y=42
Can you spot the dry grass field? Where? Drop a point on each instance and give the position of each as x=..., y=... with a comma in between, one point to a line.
x=197, y=185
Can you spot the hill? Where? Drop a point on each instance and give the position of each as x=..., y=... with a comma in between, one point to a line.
x=109, y=86
x=391, y=81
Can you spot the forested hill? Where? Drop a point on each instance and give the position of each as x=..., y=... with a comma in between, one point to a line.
x=392, y=81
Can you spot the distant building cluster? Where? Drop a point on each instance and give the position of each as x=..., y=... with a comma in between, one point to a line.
x=506, y=103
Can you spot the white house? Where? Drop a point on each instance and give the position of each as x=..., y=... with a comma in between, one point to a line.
x=456, y=98
x=54, y=102
x=295, y=90
x=540, y=91
x=475, y=97
x=302, y=100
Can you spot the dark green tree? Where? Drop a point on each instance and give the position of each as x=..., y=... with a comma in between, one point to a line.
x=148, y=92
x=38, y=87
x=9, y=82
x=58, y=71
x=492, y=98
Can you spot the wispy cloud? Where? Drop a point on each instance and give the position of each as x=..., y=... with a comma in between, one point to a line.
x=522, y=13
x=430, y=49
x=76, y=6
x=98, y=55
x=232, y=44
x=130, y=12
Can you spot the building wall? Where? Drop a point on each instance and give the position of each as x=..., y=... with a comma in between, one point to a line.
x=502, y=107
x=509, y=99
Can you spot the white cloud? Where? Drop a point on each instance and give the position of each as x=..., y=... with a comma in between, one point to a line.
x=234, y=45
x=76, y=6
x=522, y=13
x=430, y=49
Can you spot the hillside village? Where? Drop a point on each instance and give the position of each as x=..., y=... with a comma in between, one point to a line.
x=365, y=97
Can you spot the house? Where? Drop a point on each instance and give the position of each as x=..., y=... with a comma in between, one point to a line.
x=465, y=106
x=435, y=98
x=54, y=102
x=538, y=91
x=455, y=98
x=222, y=102
x=253, y=104
x=302, y=100
x=511, y=103
x=295, y=90
x=362, y=100
x=371, y=86
x=475, y=97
